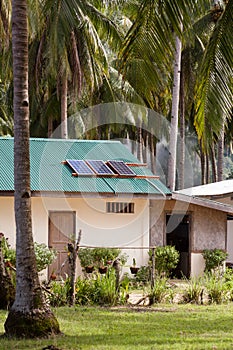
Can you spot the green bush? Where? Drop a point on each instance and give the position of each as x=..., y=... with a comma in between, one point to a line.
x=58, y=294
x=44, y=255
x=105, y=288
x=216, y=288
x=160, y=290
x=99, y=256
x=99, y=290
x=84, y=291
x=214, y=258
x=166, y=259
x=194, y=291
x=86, y=257
x=143, y=275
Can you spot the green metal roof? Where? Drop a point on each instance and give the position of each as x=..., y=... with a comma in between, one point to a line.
x=48, y=173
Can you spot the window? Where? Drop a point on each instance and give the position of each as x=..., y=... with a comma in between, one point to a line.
x=120, y=207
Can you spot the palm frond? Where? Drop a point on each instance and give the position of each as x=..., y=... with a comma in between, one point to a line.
x=214, y=91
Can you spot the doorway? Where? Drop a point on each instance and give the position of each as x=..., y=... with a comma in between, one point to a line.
x=61, y=229
x=177, y=235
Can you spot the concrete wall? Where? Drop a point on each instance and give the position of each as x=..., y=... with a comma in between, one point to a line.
x=208, y=229
x=98, y=227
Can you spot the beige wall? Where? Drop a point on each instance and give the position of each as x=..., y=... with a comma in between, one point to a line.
x=209, y=228
x=98, y=227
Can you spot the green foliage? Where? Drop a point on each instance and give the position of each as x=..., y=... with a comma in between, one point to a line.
x=194, y=291
x=104, y=255
x=105, y=288
x=99, y=256
x=214, y=258
x=59, y=293
x=84, y=291
x=44, y=255
x=160, y=290
x=98, y=290
x=166, y=259
x=86, y=257
x=143, y=275
x=216, y=288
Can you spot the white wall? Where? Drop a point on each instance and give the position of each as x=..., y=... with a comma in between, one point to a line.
x=98, y=227
x=197, y=264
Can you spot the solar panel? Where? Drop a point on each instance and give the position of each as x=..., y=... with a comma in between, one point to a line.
x=99, y=167
x=121, y=168
x=80, y=167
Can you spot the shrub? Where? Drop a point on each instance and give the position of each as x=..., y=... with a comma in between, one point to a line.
x=99, y=256
x=160, y=290
x=143, y=275
x=216, y=288
x=214, y=258
x=59, y=293
x=194, y=291
x=84, y=291
x=166, y=259
x=86, y=257
x=44, y=255
x=105, y=288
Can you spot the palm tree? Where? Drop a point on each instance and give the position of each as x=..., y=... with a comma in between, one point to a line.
x=29, y=316
x=71, y=55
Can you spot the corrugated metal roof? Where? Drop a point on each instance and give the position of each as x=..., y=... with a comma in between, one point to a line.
x=213, y=189
x=48, y=173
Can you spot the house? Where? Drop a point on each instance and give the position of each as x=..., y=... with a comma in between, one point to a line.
x=218, y=192
x=109, y=203
x=102, y=189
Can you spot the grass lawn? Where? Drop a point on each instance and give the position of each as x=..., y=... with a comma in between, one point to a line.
x=160, y=327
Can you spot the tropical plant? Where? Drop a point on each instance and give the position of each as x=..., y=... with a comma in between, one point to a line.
x=166, y=259
x=216, y=288
x=214, y=258
x=159, y=291
x=194, y=290
x=58, y=294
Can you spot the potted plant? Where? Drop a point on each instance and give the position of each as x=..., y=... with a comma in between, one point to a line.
x=86, y=259
x=134, y=269
x=102, y=267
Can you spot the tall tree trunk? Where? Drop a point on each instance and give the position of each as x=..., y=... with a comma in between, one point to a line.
x=182, y=134
x=64, y=91
x=220, y=155
x=174, y=118
x=29, y=316
x=139, y=144
x=202, y=157
x=152, y=145
x=207, y=173
x=213, y=162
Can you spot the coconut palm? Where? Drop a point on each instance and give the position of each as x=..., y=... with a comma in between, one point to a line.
x=29, y=315
x=71, y=56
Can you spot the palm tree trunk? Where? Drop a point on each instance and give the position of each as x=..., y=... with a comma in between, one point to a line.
x=64, y=91
x=220, y=155
x=182, y=134
x=202, y=157
x=152, y=152
x=29, y=315
x=174, y=118
x=213, y=162
x=139, y=144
